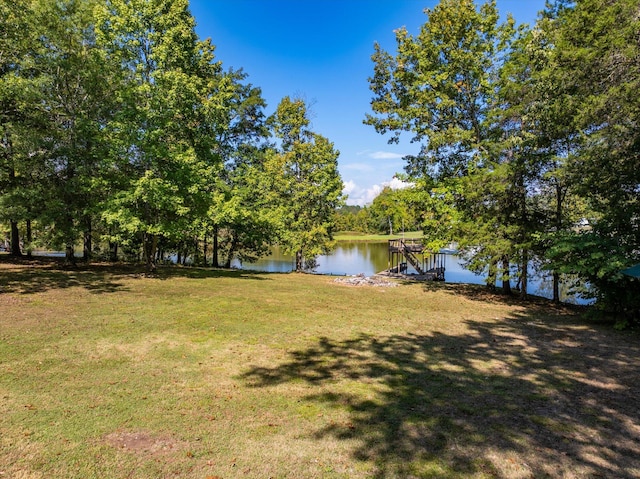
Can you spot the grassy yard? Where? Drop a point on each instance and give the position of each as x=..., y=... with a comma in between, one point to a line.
x=107, y=373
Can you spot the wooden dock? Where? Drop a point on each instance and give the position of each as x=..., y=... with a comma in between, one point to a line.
x=428, y=266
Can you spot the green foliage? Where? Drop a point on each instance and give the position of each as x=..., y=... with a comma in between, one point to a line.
x=353, y=218
x=394, y=211
x=443, y=86
x=593, y=64
x=20, y=99
x=529, y=137
x=242, y=211
x=68, y=90
x=240, y=214
x=117, y=121
x=306, y=182
x=173, y=104
x=599, y=259
x=439, y=86
x=77, y=104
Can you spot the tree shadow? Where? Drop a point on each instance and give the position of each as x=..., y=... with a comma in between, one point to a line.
x=168, y=272
x=40, y=274
x=520, y=397
x=482, y=293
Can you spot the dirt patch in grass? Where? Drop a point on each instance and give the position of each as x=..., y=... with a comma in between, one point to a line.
x=145, y=443
x=362, y=280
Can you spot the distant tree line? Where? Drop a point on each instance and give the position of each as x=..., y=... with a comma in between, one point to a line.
x=391, y=212
x=530, y=139
x=121, y=132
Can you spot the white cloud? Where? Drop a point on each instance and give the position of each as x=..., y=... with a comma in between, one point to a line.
x=381, y=155
x=349, y=187
x=396, y=184
x=358, y=195
x=371, y=193
x=385, y=155
x=365, y=196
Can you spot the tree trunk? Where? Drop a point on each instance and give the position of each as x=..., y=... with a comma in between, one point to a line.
x=8, y=153
x=299, y=263
x=214, y=253
x=506, y=283
x=87, y=246
x=69, y=256
x=29, y=239
x=204, y=250
x=150, y=244
x=560, y=194
x=113, y=252
x=491, y=277
x=15, y=239
x=524, y=278
x=232, y=250
x=196, y=252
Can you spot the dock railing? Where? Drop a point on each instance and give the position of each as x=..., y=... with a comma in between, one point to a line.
x=412, y=250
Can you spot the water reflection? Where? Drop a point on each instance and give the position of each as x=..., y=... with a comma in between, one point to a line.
x=351, y=258
x=348, y=258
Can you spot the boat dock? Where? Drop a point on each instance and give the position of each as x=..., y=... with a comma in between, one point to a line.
x=405, y=252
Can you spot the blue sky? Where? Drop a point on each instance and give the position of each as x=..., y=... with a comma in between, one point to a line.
x=321, y=51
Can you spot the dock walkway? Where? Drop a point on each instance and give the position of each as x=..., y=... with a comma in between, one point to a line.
x=428, y=266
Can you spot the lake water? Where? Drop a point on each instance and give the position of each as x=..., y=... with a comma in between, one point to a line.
x=369, y=258
x=351, y=258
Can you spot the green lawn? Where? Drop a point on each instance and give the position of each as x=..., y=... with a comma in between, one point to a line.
x=108, y=373
x=356, y=236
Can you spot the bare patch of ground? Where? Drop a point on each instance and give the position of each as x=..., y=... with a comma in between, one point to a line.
x=144, y=443
x=362, y=280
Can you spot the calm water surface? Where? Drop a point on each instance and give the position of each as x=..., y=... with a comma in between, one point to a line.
x=351, y=258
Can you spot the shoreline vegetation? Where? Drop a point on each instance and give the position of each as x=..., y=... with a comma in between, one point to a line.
x=108, y=371
x=354, y=236
x=341, y=236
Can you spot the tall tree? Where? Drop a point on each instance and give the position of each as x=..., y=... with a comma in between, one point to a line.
x=305, y=178
x=239, y=215
x=77, y=105
x=20, y=98
x=442, y=86
x=539, y=91
x=173, y=97
x=597, y=55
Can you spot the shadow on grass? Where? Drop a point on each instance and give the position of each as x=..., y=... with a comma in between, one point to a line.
x=482, y=293
x=37, y=275
x=167, y=272
x=522, y=397
x=40, y=275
